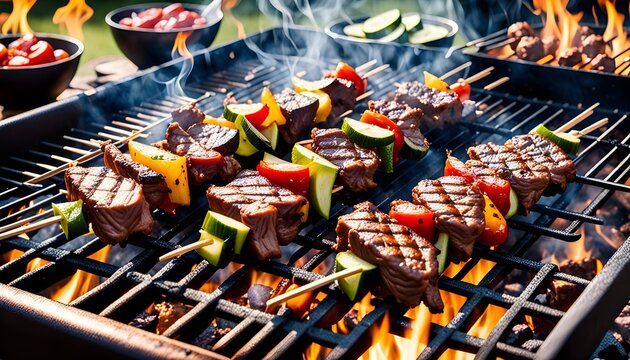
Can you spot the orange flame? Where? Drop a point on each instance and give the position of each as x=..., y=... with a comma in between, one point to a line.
x=179, y=47
x=71, y=17
x=17, y=22
x=572, y=250
x=81, y=282
x=559, y=21
x=227, y=7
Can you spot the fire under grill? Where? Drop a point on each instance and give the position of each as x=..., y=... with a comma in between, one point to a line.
x=132, y=279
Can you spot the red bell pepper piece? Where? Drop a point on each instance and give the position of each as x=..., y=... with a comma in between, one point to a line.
x=420, y=222
x=496, y=231
x=41, y=53
x=290, y=176
x=462, y=89
x=383, y=121
x=213, y=158
x=168, y=206
x=495, y=187
x=259, y=117
x=346, y=72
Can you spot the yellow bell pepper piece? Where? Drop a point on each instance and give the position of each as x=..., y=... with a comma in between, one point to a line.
x=434, y=82
x=266, y=97
x=219, y=122
x=171, y=166
x=325, y=105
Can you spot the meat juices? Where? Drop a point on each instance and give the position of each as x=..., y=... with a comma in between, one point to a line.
x=356, y=164
x=114, y=205
x=407, y=264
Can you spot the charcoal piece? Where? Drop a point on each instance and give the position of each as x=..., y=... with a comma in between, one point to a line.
x=603, y=63
x=621, y=326
x=518, y=30
x=258, y=295
x=145, y=321
x=519, y=334
x=210, y=336
x=530, y=48
x=532, y=345
x=570, y=57
x=551, y=44
x=168, y=313
x=625, y=229
x=514, y=289
x=351, y=319
x=585, y=268
x=580, y=34
x=593, y=45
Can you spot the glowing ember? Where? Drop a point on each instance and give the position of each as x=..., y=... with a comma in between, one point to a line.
x=17, y=22
x=81, y=282
x=72, y=17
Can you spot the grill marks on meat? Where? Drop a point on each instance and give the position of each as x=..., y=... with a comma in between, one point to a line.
x=527, y=178
x=235, y=199
x=406, y=261
x=187, y=115
x=299, y=110
x=213, y=137
x=356, y=164
x=153, y=184
x=544, y=152
x=458, y=207
x=114, y=204
x=407, y=118
x=343, y=94
x=439, y=107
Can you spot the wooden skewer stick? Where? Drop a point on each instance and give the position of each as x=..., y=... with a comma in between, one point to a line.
x=365, y=95
x=365, y=66
x=576, y=120
x=590, y=128
x=314, y=285
x=480, y=75
x=337, y=189
x=544, y=59
x=24, y=221
x=496, y=83
x=450, y=73
x=31, y=227
x=375, y=71
x=188, y=248
x=305, y=142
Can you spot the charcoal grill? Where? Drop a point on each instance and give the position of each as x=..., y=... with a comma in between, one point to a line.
x=95, y=323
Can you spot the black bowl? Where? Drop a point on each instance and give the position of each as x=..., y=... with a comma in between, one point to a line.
x=335, y=30
x=148, y=47
x=30, y=86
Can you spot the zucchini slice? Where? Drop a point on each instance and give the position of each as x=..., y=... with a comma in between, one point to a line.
x=322, y=175
x=272, y=134
x=514, y=205
x=413, y=151
x=232, y=111
x=355, y=30
x=412, y=22
x=366, y=135
x=565, y=141
x=386, y=154
x=428, y=33
x=382, y=24
x=252, y=135
x=357, y=285
x=399, y=35
x=72, y=220
x=442, y=244
x=226, y=228
x=219, y=253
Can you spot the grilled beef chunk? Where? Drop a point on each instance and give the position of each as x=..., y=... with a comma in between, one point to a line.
x=407, y=118
x=187, y=115
x=603, y=63
x=114, y=204
x=406, y=261
x=213, y=137
x=183, y=144
x=570, y=57
x=439, y=107
x=530, y=48
x=356, y=164
x=527, y=178
x=593, y=45
x=299, y=110
x=517, y=31
x=153, y=184
x=458, y=207
x=551, y=44
x=544, y=152
x=580, y=34
x=273, y=212
x=343, y=94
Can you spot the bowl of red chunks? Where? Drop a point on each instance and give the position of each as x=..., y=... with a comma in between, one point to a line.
x=36, y=68
x=145, y=33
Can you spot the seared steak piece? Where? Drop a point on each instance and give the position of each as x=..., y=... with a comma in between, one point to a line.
x=439, y=107
x=593, y=45
x=603, y=63
x=343, y=94
x=519, y=30
x=249, y=187
x=114, y=204
x=530, y=48
x=356, y=164
x=153, y=184
x=182, y=143
x=527, y=178
x=407, y=118
x=187, y=115
x=570, y=57
x=299, y=110
x=458, y=211
x=215, y=137
x=407, y=265
x=580, y=34
x=544, y=152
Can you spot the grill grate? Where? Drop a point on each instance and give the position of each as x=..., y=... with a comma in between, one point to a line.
x=130, y=288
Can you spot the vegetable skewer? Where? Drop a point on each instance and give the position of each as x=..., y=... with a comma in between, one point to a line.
x=69, y=215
